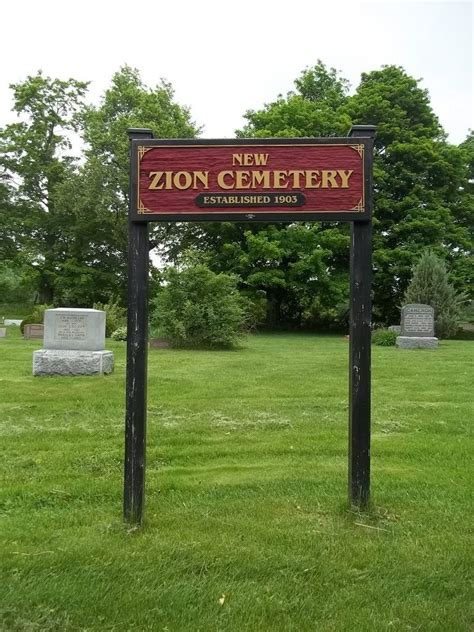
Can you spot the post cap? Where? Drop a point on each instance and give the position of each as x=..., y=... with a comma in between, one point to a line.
x=139, y=132
x=367, y=131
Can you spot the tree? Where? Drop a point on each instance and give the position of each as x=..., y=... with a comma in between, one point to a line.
x=99, y=191
x=430, y=285
x=199, y=308
x=36, y=160
x=462, y=264
x=422, y=200
x=288, y=267
x=420, y=184
x=66, y=218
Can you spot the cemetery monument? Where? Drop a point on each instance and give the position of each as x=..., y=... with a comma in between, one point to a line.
x=417, y=327
x=74, y=344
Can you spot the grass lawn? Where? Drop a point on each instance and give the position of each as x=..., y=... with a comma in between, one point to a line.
x=247, y=526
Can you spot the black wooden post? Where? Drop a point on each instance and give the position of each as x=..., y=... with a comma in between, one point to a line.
x=137, y=348
x=360, y=337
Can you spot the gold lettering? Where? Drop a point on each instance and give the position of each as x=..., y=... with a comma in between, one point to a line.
x=156, y=175
x=345, y=175
x=312, y=180
x=202, y=177
x=242, y=180
x=221, y=179
x=279, y=179
x=178, y=180
x=329, y=177
x=261, y=159
x=261, y=178
x=296, y=177
x=248, y=160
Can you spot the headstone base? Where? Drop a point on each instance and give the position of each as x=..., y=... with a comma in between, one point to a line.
x=416, y=342
x=63, y=362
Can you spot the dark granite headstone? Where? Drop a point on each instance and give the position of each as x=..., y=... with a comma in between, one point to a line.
x=417, y=327
x=159, y=343
x=417, y=320
x=33, y=332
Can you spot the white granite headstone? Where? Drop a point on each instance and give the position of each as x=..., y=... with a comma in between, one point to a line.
x=80, y=329
x=74, y=343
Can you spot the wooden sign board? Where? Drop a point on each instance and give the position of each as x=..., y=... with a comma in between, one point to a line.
x=246, y=180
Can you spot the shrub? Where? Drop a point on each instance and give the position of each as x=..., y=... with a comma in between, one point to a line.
x=384, y=337
x=36, y=316
x=199, y=308
x=120, y=333
x=115, y=316
x=430, y=285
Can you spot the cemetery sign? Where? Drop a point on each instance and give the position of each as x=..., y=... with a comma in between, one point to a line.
x=245, y=180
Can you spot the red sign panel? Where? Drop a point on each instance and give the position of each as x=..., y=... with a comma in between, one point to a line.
x=278, y=179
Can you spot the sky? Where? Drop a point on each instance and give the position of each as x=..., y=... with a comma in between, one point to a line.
x=224, y=58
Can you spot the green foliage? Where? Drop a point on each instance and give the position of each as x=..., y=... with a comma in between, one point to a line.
x=63, y=221
x=120, y=333
x=18, y=311
x=421, y=185
x=115, y=316
x=313, y=110
x=100, y=192
x=17, y=283
x=467, y=312
x=35, y=154
x=36, y=316
x=199, y=308
x=66, y=220
x=384, y=337
x=423, y=199
x=430, y=285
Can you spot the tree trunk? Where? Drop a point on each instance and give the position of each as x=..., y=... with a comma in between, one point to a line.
x=274, y=300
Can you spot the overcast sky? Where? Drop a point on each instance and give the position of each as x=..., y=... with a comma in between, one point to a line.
x=224, y=58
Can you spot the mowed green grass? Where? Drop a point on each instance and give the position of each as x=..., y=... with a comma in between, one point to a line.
x=247, y=525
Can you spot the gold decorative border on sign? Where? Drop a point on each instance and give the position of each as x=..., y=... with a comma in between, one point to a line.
x=359, y=206
x=142, y=151
x=143, y=210
x=359, y=149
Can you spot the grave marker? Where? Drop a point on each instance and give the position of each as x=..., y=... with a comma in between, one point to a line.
x=33, y=332
x=74, y=343
x=417, y=327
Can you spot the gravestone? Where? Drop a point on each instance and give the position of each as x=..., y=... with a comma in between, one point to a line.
x=3, y=332
x=159, y=343
x=417, y=327
x=33, y=332
x=74, y=344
